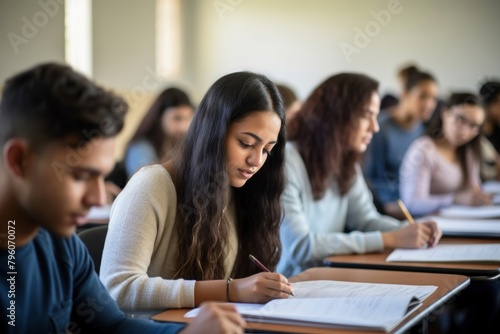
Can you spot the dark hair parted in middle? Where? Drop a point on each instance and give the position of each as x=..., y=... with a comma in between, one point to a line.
x=435, y=131
x=323, y=128
x=203, y=189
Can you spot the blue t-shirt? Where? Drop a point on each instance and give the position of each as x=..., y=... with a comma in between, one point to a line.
x=50, y=286
x=384, y=156
x=139, y=154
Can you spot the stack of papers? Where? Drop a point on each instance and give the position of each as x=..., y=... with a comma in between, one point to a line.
x=468, y=227
x=474, y=212
x=336, y=304
x=448, y=253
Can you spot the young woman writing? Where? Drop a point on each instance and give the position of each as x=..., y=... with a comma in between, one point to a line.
x=180, y=231
x=328, y=206
x=442, y=168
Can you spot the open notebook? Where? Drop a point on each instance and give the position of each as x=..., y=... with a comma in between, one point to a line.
x=337, y=304
x=448, y=253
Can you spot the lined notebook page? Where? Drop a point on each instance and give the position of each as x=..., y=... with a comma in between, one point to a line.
x=323, y=288
x=448, y=253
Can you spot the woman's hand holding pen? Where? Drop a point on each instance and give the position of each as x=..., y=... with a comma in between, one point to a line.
x=259, y=288
x=419, y=235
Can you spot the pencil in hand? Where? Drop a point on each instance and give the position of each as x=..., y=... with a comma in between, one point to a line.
x=407, y=214
x=261, y=266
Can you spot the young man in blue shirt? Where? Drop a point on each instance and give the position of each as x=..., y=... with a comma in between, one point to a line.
x=57, y=133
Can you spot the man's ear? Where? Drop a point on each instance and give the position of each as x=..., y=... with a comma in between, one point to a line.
x=15, y=156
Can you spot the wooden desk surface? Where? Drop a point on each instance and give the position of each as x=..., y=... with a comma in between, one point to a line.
x=377, y=261
x=448, y=285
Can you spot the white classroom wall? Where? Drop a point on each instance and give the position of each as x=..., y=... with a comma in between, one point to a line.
x=297, y=42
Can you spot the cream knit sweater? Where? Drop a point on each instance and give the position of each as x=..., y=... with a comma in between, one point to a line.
x=140, y=253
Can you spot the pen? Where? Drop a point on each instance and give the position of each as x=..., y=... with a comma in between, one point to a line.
x=261, y=266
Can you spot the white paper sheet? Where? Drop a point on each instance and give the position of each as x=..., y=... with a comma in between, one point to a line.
x=478, y=212
x=99, y=212
x=457, y=226
x=448, y=253
x=491, y=187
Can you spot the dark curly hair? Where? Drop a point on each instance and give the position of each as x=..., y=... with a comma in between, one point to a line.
x=323, y=127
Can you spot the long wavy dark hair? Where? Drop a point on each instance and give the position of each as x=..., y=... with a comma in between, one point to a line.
x=203, y=189
x=323, y=128
x=435, y=131
x=151, y=127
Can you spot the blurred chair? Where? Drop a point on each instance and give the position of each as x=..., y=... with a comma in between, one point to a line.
x=94, y=239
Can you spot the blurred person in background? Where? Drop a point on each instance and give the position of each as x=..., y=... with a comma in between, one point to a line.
x=442, y=167
x=328, y=207
x=163, y=127
x=490, y=139
x=384, y=155
x=290, y=101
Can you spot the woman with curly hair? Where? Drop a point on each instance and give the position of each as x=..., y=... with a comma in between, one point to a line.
x=328, y=206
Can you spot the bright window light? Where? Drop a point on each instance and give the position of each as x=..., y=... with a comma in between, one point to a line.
x=78, y=35
x=168, y=38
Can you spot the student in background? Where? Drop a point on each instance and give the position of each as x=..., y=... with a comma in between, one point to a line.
x=442, y=168
x=290, y=101
x=181, y=230
x=55, y=152
x=328, y=206
x=164, y=125
x=490, y=139
x=490, y=94
x=388, y=105
x=385, y=153
x=490, y=161
x=389, y=102
x=404, y=73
